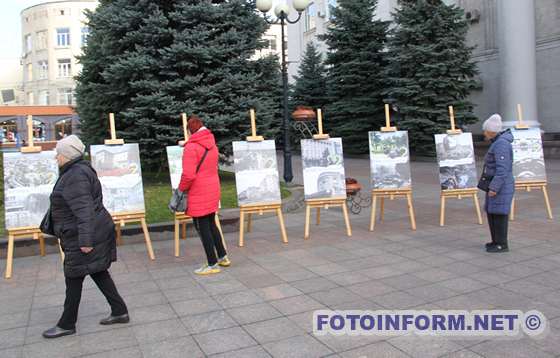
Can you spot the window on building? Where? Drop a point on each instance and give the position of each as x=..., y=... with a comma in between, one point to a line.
x=63, y=37
x=310, y=17
x=65, y=96
x=43, y=69
x=44, y=98
x=63, y=128
x=64, y=68
x=42, y=40
x=85, y=34
x=330, y=5
x=38, y=131
x=28, y=43
x=8, y=131
x=29, y=71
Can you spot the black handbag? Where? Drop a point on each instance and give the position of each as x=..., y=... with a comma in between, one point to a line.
x=485, y=180
x=178, y=201
x=46, y=226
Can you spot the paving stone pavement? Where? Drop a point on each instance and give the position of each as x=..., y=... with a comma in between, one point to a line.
x=262, y=305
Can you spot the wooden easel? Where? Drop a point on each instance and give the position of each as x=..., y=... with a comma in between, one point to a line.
x=529, y=185
x=29, y=231
x=457, y=193
x=121, y=219
x=327, y=202
x=181, y=219
x=260, y=209
x=390, y=193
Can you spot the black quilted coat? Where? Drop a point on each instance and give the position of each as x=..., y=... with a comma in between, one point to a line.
x=80, y=220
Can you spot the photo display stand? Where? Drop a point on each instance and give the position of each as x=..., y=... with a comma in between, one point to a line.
x=28, y=231
x=182, y=219
x=250, y=209
x=121, y=219
x=529, y=185
x=458, y=193
x=326, y=203
x=390, y=193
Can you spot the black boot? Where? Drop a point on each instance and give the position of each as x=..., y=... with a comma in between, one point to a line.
x=497, y=248
x=56, y=332
x=124, y=318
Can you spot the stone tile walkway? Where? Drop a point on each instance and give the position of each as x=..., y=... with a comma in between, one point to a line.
x=262, y=306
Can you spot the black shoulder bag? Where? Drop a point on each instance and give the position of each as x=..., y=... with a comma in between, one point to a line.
x=485, y=180
x=178, y=201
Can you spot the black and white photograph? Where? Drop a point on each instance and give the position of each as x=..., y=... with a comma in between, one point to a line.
x=323, y=168
x=175, y=162
x=256, y=172
x=119, y=171
x=528, y=156
x=389, y=160
x=455, y=155
x=28, y=182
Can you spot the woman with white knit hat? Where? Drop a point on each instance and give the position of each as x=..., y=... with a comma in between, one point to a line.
x=87, y=236
x=499, y=183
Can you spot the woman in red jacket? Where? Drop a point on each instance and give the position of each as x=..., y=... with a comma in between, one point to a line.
x=201, y=182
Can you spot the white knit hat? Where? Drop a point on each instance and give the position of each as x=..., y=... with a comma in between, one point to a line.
x=70, y=147
x=493, y=124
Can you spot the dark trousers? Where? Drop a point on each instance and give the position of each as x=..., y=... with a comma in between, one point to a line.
x=105, y=283
x=498, y=228
x=210, y=237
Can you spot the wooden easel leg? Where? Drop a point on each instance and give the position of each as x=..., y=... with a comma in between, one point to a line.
x=118, y=230
x=241, y=227
x=512, y=212
x=176, y=237
x=61, y=251
x=477, y=207
x=411, y=211
x=382, y=209
x=346, y=219
x=10, y=257
x=249, y=222
x=442, y=211
x=148, y=240
x=282, y=226
x=42, y=245
x=318, y=216
x=373, y=214
x=184, y=230
x=547, y=201
x=307, y=219
x=219, y=226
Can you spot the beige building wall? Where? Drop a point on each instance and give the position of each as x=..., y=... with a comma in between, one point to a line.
x=53, y=34
x=273, y=37
x=10, y=81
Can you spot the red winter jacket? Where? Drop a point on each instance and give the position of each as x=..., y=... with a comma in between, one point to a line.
x=203, y=188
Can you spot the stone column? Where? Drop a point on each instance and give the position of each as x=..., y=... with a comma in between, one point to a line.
x=518, y=68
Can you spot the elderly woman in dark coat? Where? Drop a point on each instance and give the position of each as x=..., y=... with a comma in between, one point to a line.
x=87, y=235
x=498, y=165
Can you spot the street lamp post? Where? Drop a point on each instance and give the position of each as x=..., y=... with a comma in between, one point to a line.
x=282, y=11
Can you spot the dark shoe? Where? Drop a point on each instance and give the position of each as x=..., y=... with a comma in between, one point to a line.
x=115, y=319
x=56, y=332
x=497, y=248
x=490, y=244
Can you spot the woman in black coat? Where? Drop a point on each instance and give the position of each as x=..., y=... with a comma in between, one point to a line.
x=87, y=234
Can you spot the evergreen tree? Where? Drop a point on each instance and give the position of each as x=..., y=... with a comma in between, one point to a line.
x=310, y=88
x=148, y=61
x=431, y=68
x=355, y=79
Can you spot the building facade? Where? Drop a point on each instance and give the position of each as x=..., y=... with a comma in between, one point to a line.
x=517, y=51
x=53, y=35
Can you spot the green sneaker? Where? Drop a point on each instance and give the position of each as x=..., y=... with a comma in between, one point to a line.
x=208, y=270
